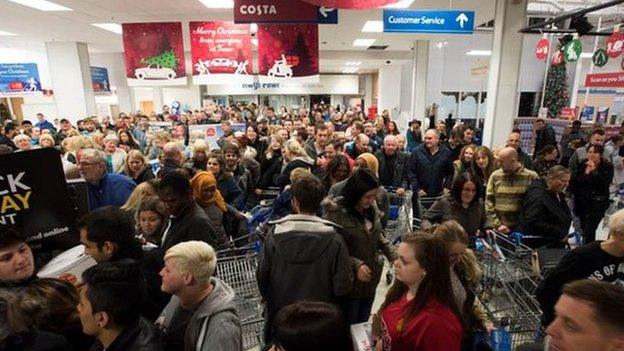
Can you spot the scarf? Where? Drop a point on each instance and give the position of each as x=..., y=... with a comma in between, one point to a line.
x=201, y=181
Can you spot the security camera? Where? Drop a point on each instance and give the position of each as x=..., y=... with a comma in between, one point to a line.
x=388, y=62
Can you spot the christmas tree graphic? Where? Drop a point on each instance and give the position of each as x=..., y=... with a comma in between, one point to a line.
x=556, y=96
x=167, y=59
x=305, y=64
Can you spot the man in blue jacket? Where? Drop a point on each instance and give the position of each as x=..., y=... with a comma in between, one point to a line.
x=430, y=168
x=105, y=189
x=43, y=124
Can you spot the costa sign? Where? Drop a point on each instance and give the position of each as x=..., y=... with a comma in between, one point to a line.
x=282, y=11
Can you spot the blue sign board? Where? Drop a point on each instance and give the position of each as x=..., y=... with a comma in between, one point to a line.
x=416, y=21
x=99, y=78
x=18, y=79
x=326, y=15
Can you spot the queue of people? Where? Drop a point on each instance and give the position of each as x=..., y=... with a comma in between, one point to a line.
x=163, y=205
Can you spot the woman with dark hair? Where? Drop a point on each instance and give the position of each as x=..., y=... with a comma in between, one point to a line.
x=255, y=141
x=151, y=219
x=311, y=326
x=420, y=312
x=127, y=141
x=463, y=205
x=590, y=187
x=338, y=169
x=392, y=129
x=225, y=180
x=546, y=158
x=481, y=167
x=356, y=212
x=49, y=305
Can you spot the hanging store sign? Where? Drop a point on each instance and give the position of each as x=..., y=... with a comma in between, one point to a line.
x=154, y=54
x=572, y=50
x=600, y=58
x=352, y=4
x=541, y=49
x=288, y=53
x=19, y=79
x=99, y=78
x=615, y=44
x=605, y=80
x=416, y=21
x=221, y=52
x=282, y=11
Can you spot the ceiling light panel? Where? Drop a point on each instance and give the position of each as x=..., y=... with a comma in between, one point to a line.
x=42, y=5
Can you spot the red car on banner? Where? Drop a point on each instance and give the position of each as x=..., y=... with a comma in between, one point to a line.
x=221, y=52
x=154, y=54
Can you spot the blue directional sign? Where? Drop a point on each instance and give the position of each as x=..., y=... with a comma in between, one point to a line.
x=416, y=21
x=326, y=15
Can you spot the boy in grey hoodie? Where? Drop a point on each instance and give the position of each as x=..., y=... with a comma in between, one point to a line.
x=201, y=315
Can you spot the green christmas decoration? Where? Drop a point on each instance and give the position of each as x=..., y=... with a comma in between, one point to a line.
x=167, y=59
x=556, y=95
x=572, y=50
x=600, y=58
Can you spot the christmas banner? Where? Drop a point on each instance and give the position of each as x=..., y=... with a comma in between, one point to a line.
x=615, y=44
x=99, y=79
x=19, y=79
x=221, y=52
x=154, y=54
x=288, y=53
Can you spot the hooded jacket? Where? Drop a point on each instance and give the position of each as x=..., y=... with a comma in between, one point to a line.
x=141, y=336
x=298, y=162
x=215, y=319
x=304, y=259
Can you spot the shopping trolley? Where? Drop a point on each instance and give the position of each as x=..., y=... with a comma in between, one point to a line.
x=425, y=202
x=508, y=285
x=399, y=216
x=237, y=267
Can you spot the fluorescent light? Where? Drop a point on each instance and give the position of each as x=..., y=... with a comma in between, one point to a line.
x=363, y=42
x=3, y=33
x=373, y=27
x=479, y=53
x=587, y=55
x=42, y=5
x=350, y=70
x=353, y=63
x=254, y=41
x=111, y=27
x=401, y=4
x=218, y=4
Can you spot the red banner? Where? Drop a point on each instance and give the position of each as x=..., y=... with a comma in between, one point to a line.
x=570, y=113
x=221, y=52
x=351, y=4
x=288, y=53
x=605, y=80
x=274, y=11
x=154, y=53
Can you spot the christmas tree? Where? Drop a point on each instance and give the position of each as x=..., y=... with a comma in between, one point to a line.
x=167, y=59
x=556, y=95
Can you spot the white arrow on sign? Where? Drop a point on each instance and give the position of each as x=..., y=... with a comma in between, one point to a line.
x=324, y=10
x=462, y=18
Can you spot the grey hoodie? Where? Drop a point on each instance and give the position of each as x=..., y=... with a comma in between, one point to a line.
x=304, y=259
x=223, y=330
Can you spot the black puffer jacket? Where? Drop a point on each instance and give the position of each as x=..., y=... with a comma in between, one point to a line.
x=141, y=336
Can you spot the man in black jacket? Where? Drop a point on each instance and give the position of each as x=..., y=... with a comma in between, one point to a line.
x=544, y=135
x=545, y=216
x=603, y=261
x=187, y=221
x=392, y=165
x=109, y=309
x=303, y=258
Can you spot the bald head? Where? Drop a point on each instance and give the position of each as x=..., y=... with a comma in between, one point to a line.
x=508, y=157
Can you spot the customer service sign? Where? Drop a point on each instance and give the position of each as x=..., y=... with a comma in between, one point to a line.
x=416, y=21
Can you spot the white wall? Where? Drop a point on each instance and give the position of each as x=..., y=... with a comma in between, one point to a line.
x=389, y=88
x=189, y=96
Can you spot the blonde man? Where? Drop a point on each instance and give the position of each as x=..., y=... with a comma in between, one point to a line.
x=201, y=315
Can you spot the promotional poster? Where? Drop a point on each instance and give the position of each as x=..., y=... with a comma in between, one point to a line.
x=154, y=54
x=288, y=53
x=37, y=201
x=212, y=132
x=19, y=79
x=99, y=78
x=221, y=52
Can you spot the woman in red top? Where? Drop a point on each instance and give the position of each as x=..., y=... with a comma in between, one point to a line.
x=420, y=313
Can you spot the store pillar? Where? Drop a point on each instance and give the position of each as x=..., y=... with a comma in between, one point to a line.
x=502, y=92
x=70, y=72
x=420, y=64
x=389, y=88
x=159, y=99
